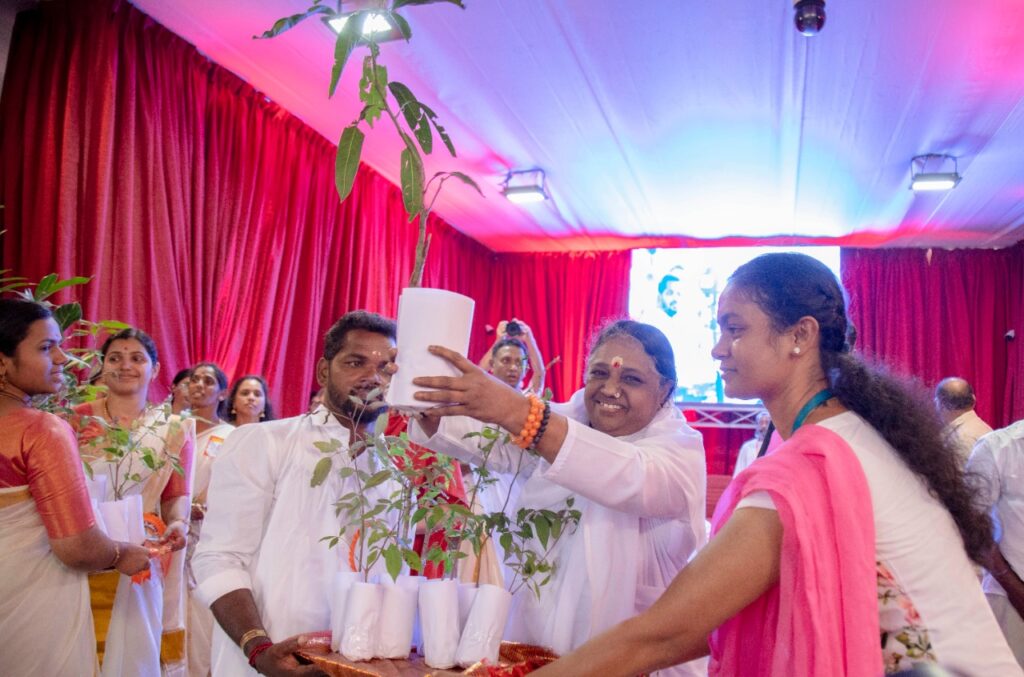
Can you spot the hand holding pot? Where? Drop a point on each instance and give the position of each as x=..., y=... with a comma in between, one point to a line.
x=475, y=393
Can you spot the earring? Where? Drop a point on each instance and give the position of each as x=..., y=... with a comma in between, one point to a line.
x=796, y=351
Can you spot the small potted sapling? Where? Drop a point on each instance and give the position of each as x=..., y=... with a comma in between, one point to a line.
x=529, y=543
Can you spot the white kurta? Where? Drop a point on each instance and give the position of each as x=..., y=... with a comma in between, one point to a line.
x=642, y=499
x=999, y=458
x=747, y=455
x=967, y=429
x=263, y=528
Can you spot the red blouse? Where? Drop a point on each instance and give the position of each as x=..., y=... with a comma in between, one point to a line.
x=38, y=450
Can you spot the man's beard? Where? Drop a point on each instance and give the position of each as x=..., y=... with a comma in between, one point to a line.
x=359, y=413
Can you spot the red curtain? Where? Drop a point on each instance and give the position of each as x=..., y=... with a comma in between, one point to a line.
x=938, y=313
x=207, y=216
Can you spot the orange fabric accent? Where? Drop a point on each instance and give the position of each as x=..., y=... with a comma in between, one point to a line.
x=38, y=451
x=14, y=497
x=155, y=527
x=102, y=587
x=352, y=552
x=172, y=647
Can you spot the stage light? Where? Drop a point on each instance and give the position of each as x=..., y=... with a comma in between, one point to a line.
x=921, y=179
x=376, y=25
x=525, y=185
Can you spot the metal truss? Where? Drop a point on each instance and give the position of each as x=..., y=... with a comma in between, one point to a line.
x=741, y=416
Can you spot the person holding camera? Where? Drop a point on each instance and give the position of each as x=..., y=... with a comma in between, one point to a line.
x=513, y=350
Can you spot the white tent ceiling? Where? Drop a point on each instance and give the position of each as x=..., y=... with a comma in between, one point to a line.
x=666, y=122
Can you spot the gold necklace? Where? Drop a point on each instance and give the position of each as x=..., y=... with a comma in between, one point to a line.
x=106, y=410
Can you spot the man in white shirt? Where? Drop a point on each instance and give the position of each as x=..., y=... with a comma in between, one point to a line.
x=999, y=458
x=748, y=452
x=955, y=401
x=260, y=564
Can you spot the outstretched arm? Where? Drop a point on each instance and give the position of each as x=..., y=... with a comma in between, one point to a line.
x=739, y=565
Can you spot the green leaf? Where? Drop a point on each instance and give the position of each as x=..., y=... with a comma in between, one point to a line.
x=543, y=528
x=346, y=163
x=323, y=467
x=70, y=282
x=506, y=541
x=403, y=26
x=67, y=314
x=412, y=182
x=424, y=136
x=403, y=3
x=114, y=325
x=466, y=179
x=377, y=479
x=460, y=510
x=289, y=22
x=432, y=116
x=407, y=103
x=42, y=289
x=393, y=561
x=412, y=559
x=328, y=447
x=343, y=46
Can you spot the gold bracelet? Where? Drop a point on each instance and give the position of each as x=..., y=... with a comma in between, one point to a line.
x=117, y=555
x=251, y=635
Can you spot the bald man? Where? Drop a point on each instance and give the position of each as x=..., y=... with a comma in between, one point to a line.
x=955, y=401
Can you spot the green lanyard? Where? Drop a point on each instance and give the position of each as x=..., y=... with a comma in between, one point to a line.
x=815, y=402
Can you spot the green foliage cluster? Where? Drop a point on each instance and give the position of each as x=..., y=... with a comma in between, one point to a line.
x=385, y=522
x=529, y=539
x=122, y=447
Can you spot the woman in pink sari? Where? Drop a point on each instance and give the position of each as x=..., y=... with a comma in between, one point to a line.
x=847, y=549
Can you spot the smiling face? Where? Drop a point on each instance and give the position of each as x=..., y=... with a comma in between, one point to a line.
x=127, y=367
x=37, y=366
x=623, y=388
x=355, y=371
x=249, y=400
x=755, y=358
x=204, y=389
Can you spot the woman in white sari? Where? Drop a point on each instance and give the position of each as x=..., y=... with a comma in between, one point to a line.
x=208, y=393
x=146, y=636
x=48, y=536
x=619, y=448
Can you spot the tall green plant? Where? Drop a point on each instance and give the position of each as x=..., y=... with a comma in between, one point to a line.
x=415, y=122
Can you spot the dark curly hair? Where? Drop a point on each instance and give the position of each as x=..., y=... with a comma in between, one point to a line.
x=790, y=286
x=654, y=343
x=350, y=321
x=268, y=408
